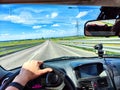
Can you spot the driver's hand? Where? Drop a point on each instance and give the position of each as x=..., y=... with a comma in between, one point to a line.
x=30, y=70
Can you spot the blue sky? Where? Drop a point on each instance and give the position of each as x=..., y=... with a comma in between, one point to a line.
x=30, y=21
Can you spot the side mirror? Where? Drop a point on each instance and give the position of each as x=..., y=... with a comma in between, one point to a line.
x=110, y=27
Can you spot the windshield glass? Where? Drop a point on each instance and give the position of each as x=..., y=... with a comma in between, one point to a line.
x=42, y=32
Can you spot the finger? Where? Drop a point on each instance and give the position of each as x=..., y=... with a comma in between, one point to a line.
x=40, y=62
x=46, y=70
x=36, y=61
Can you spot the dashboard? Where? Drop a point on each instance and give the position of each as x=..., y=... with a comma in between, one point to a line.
x=85, y=74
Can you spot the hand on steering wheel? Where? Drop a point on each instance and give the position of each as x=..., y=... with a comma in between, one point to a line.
x=31, y=70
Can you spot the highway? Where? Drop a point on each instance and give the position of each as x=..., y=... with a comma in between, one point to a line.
x=44, y=51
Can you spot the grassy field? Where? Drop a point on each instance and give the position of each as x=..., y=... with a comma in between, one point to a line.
x=68, y=41
x=71, y=38
x=93, y=50
x=19, y=42
x=78, y=38
x=8, y=47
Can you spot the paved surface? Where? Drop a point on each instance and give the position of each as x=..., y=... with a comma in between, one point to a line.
x=45, y=51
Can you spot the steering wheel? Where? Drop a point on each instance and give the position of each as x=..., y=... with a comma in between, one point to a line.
x=61, y=78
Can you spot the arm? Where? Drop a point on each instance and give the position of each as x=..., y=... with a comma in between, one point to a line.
x=30, y=70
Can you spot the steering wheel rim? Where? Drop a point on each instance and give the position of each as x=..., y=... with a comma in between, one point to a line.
x=68, y=83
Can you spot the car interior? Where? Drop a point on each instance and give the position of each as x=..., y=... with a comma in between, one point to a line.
x=101, y=72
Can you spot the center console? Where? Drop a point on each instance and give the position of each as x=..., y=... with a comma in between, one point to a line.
x=92, y=77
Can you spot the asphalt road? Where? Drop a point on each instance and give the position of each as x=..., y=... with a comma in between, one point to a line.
x=45, y=51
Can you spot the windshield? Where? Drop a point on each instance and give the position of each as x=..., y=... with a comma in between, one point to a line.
x=43, y=31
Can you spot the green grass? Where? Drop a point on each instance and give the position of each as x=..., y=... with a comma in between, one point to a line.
x=112, y=53
x=78, y=38
x=93, y=50
x=85, y=38
x=19, y=42
x=88, y=49
x=9, y=47
x=11, y=51
x=71, y=38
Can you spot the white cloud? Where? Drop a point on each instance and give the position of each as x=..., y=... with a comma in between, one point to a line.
x=47, y=16
x=35, y=10
x=4, y=35
x=22, y=18
x=25, y=18
x=44, y=25
x=56, y=33
x=36, y=27
x=55, y=25
x=39, y=34
x=23, y=32
x=6, y=5
x=81, y=14
x=74, y=22
x=54, y=15
x=13, y=18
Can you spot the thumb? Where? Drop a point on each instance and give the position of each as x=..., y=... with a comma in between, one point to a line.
x=46, y=70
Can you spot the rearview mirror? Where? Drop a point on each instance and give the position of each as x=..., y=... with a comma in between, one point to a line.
x=105, y=28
